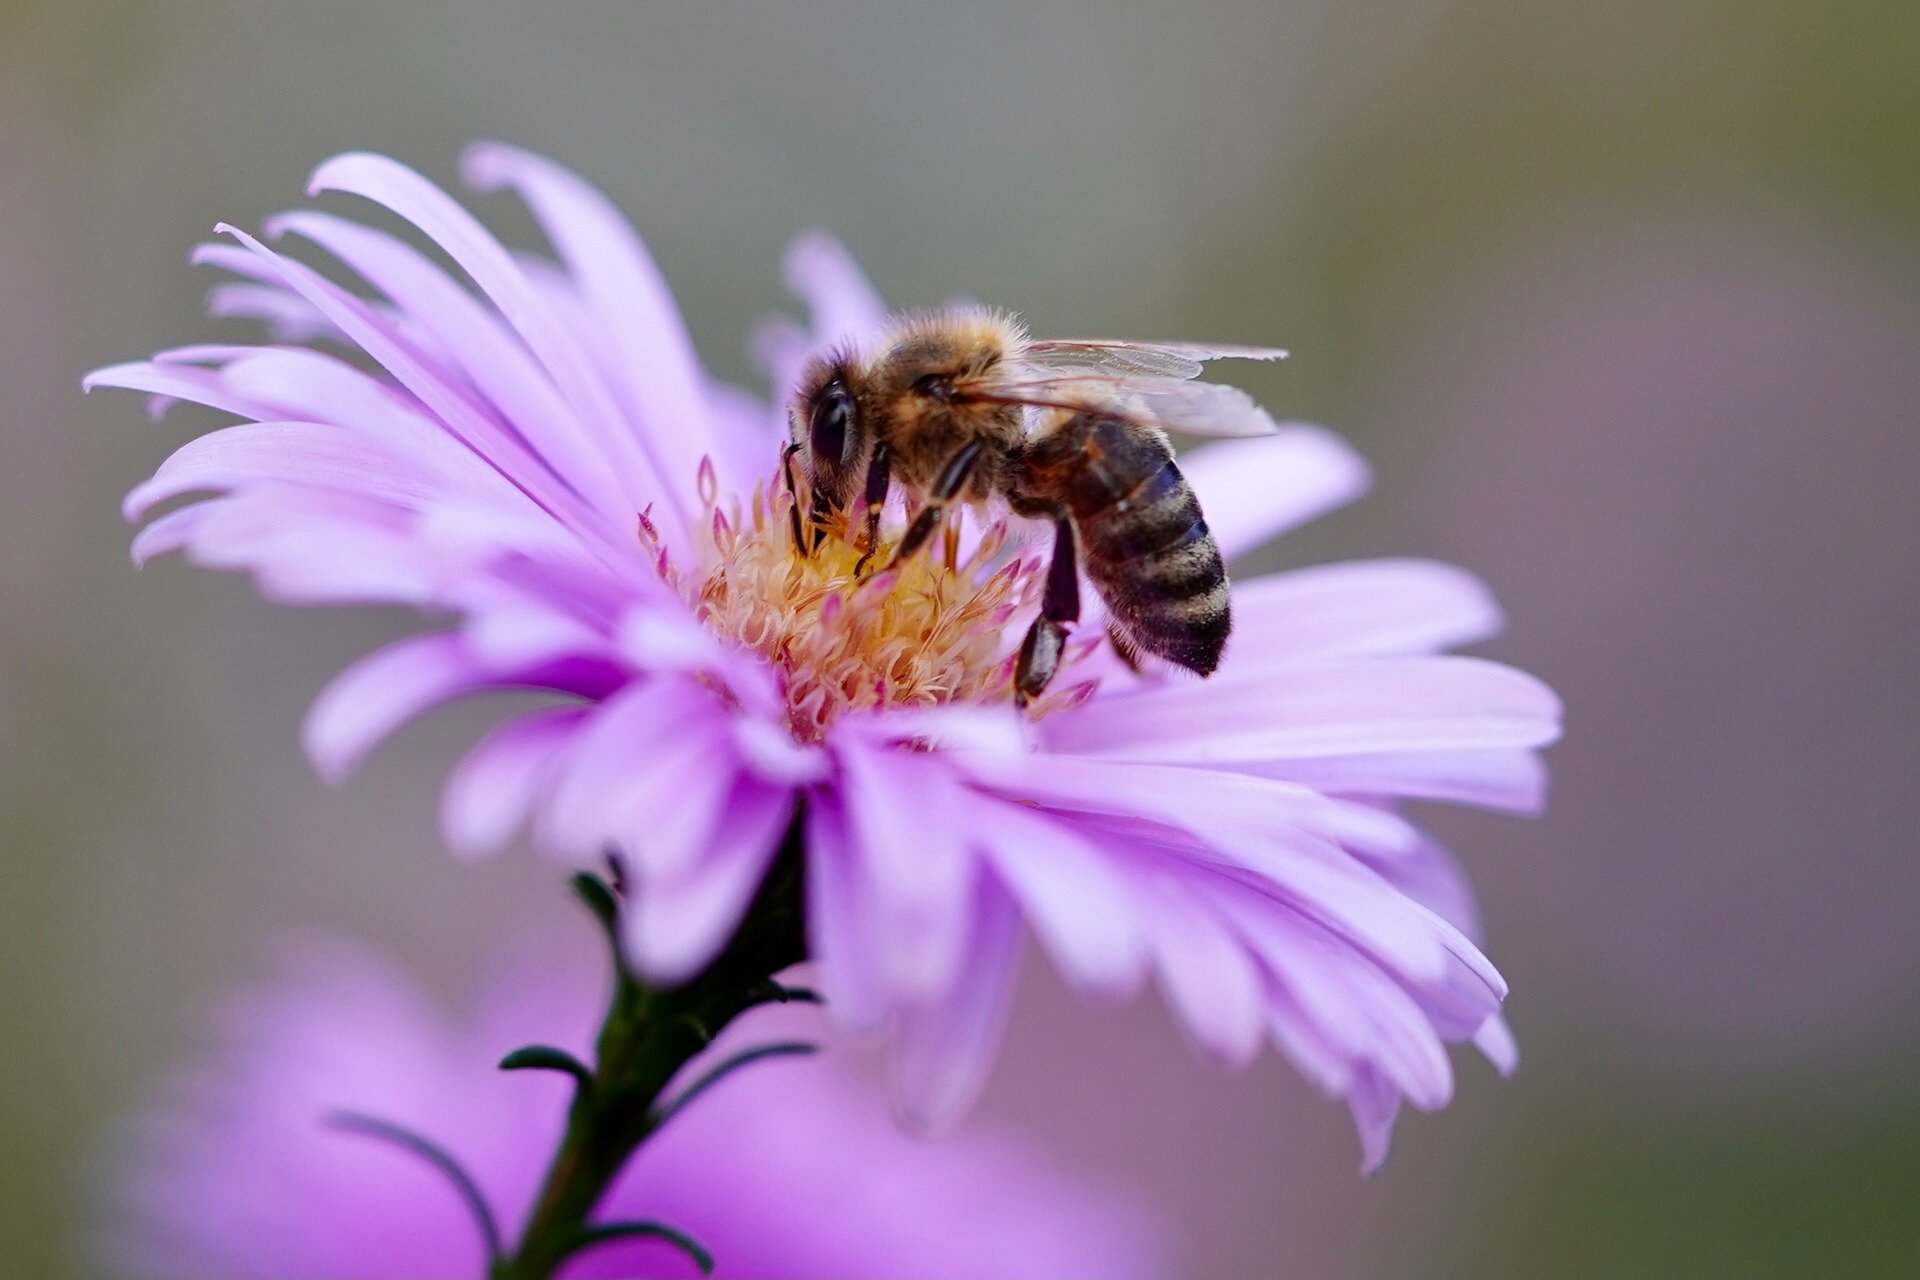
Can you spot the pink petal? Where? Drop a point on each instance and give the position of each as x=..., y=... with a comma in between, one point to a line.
x=443, y=221
x=175, y=382
x=487, y=353
x=769, y=751
x=1359, y=1007
x=492, y=791
x=416, y=371
x=1305, y=1044
x=845, y=306
x=1254, y=490
x=1495, y=1040
x=617, y=277
x=1362, y=609
x=376, y=695
x=906, y=824
x=1338, y=707
x=1209, y=980
x=327, y=559
x=312, y=387
x=1434, y=878
x=1512, y=779
x=294, y=453
x=173, y=530
x=287, y=316
x=840, y=930
x=678, y=923
x=647, y=775
x=1233, y=820
x=1375, y=1104
x=944, y=1049
x=1072, y=892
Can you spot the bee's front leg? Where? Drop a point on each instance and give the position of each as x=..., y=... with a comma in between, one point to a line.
x=879, y=476
x=951, y=480
x=1040, y=651
x=804, y=538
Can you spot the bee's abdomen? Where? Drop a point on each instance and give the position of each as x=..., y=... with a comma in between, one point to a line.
x=1148, y=550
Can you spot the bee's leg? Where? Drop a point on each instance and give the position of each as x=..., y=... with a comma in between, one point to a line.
x=951, y=480
x=879, y=475
x=1040, y=651
x=801, y=542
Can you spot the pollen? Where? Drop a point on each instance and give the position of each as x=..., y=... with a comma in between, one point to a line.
x=847, y=635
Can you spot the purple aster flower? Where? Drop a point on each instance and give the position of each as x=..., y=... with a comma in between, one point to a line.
x=783, y=1170
x=530, y=451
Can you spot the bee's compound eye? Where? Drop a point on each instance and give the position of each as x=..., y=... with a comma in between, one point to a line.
x=828, y=432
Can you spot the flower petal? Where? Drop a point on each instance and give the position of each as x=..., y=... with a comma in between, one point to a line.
x=1361, y=609
x=1208, y=978
x=906, y=823
x=663, y=385
x=294, y=453
x=646, y=776
x=1359, y=1008
x=845, y=306
x=174, y=530
x=1288, y=839
x=840, y=929
x=418, y=373
x=1071, y=891
x=376, y=695
x=677, y=923
x=174, y=382
x=1495, y=1041
x=1375, y=1104
x=1509, y=779
x=442, y=220
x=1254, y=490
x=1339, y=707
x=490, y=794
x=943, y=1049
x=287, y=316
x=484, y=350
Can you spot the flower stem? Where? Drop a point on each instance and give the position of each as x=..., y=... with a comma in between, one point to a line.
x=649, y=1034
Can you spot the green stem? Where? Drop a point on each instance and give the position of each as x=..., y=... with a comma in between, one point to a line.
x=649, y=1035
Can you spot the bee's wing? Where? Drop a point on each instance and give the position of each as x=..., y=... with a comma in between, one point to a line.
x=1096, y=357
x=1188, y=408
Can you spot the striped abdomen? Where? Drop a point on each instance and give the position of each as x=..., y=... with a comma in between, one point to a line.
x=1142, y=537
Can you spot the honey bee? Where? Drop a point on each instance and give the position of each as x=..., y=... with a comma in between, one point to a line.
x=960, y=406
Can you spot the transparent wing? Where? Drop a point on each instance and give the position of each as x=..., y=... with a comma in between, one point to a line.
x=1187, y=408
x=1128, y=359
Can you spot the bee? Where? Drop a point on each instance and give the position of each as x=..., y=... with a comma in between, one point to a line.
x=961, y=407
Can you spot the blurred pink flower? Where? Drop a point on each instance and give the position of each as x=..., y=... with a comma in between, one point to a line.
x=546, y=461
x=786, y=1168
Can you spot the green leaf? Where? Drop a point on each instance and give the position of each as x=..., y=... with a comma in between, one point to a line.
x=434, y=1155
x=544, y=1057
x=791, y=1048
x=590, y=1237
x=593, y=891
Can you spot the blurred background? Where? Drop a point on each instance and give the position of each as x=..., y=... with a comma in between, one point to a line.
x=1622, y=300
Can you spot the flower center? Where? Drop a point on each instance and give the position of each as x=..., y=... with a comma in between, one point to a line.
x=846, y=636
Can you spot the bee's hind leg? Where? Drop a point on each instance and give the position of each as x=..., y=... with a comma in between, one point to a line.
x=1059, y=605
x=946, y=486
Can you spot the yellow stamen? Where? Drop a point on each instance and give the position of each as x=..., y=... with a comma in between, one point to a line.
x=932, y=630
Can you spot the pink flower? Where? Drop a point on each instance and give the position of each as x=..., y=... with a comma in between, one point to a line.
x=542, y=461
x=785, y=1168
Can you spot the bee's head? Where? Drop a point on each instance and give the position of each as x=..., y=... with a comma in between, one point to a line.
x=829, y=428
